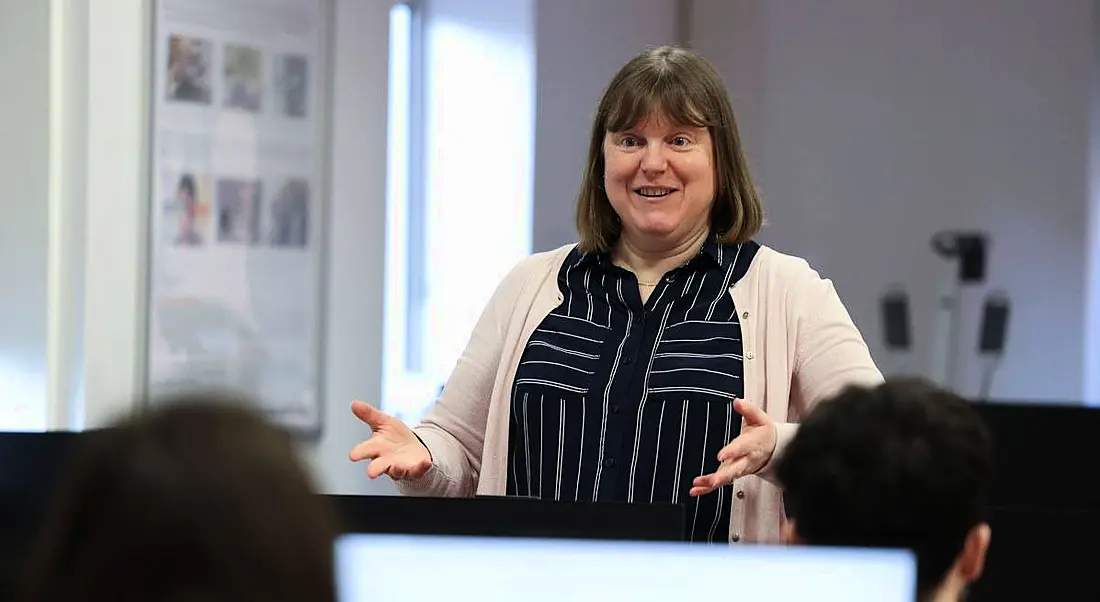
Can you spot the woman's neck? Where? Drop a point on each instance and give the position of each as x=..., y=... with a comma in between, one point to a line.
x=651, y=262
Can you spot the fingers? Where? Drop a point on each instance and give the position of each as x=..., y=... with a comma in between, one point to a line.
x=395, y=465
x=379, y=467
x=417, y=470
x=374, y=417
x=725, y=475
x=738, y=448
x=400, y=472
x=367, y=450
x=754, y=415
x=396, y=469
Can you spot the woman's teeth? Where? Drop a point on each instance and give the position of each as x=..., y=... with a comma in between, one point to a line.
x=654, y=192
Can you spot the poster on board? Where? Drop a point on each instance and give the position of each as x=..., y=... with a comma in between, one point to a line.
x=238, y=144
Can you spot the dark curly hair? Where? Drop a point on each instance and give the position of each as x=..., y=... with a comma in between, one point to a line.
x=902, y=465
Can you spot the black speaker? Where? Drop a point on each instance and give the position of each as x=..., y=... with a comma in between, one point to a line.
x=895, y=320
x=970, y=250
x=994, y=327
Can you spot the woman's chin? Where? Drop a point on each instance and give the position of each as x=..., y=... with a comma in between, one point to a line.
x=655, y=231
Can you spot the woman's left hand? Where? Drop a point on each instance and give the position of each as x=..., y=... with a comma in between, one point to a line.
x=745, y=455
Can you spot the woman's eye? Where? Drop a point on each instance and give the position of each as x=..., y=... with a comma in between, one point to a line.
x=681, y=141
x=630, y=141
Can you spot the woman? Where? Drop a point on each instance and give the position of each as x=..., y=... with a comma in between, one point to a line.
x=189, y=212
x=199, y=500
x=613, y=369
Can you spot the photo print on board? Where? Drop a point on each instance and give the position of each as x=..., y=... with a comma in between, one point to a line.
x=189, y=62
x=238, y=203
x=243, y=78
x=290, y=215
x=292, y=85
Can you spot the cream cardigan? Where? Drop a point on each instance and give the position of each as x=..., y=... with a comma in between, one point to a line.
x=800, y=346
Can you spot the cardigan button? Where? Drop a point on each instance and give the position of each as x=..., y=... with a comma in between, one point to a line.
x=740, y=494
x=750, y=355
x=736, y=538
x=745, y=315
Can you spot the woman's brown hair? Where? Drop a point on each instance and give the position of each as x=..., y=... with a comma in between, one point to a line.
x=679, y=85
x=199, y=499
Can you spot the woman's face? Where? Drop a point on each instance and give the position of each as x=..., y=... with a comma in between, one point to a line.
x=659, y=177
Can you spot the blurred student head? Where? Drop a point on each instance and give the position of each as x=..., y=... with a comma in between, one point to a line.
x=197, y=499
x=901, y=465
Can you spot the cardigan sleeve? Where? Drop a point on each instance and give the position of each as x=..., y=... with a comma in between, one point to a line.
x=454, y=429
x=829, y=351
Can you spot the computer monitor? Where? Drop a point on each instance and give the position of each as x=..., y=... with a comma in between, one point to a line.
x=396, y=568
x=492, y=516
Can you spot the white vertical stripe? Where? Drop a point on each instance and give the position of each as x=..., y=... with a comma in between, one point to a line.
x=515, y=461
x=526, y=444
x=542, y=449
x=653, y=351
x=702, y=465
x=722, y=490
x=607, y=391
x=561, y=448
x=687, y=285
x=657, y=453
x=645, y=397
x=637, y=446
x=588, y=292
x=580, y=451
x=606, y=296
x=680, y=454
x=569, y=290
x=724, y=290
x=695, y=302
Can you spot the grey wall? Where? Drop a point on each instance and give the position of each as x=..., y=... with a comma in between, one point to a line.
x=580, y=46
x=873, y=123
x=24, y=226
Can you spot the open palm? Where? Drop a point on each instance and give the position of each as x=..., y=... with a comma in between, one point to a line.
x=393, y=449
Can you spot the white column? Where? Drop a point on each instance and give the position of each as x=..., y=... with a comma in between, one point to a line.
x=114, y=272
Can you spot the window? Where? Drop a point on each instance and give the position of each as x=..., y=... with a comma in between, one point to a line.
x=460, y=181
x=22, y=398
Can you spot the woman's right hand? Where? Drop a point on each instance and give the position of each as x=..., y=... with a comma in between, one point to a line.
x=393, y=449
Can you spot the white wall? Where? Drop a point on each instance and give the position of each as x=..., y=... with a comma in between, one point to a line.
x=91, y=94
x=356, y=241
x=873, y=123
x=24, y=221
x=581, y=44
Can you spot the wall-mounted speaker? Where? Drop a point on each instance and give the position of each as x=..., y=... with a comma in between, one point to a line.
x=896, y=323
x=994, y=327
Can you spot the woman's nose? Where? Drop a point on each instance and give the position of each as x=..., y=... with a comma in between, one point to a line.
x=653, y=158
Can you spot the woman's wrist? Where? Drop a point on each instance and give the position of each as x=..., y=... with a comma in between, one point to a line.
x=417, y=435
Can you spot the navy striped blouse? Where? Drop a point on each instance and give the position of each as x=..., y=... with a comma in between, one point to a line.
x=616, y=400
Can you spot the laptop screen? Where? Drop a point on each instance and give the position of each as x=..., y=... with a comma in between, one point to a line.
x=396, y=568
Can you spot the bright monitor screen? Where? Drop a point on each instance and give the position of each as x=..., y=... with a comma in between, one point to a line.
x=398, y=568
